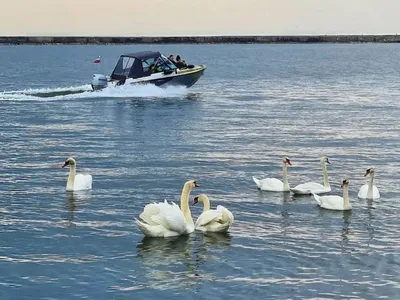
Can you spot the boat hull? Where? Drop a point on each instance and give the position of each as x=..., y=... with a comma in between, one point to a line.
x=182, y=77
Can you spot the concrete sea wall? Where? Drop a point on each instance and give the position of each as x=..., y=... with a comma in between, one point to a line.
x=299, y=39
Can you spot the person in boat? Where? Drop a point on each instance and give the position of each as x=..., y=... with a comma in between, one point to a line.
x=180, y=63
x=171, y=58
x=155, y=67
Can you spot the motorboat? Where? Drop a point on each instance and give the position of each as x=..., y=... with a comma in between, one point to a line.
x=148, y=67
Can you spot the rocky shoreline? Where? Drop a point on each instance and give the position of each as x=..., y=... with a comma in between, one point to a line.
x=299, y=39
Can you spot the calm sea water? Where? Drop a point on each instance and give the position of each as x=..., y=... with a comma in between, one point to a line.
x=254, y=104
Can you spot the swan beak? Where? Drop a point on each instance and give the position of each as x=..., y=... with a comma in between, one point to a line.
x=195, y=201
x=64, y=165
x=196, y=184
x=367, y=172
x=327, y=161
x=289, y=162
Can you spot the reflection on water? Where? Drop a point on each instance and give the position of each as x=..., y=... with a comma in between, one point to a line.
x=164, y=251
x=72, y=203
x=345, y=230
x=180, y=258
x=141, y=147
x=216, y=238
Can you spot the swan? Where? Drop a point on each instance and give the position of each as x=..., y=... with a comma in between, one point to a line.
x=369, y=191
x=76, y=182
x=212, y=220
x=335, y=202
x=166, y=220
x=273, y=184
x=314, y=187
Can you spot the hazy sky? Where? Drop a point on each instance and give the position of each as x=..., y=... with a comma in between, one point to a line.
x=198, y=17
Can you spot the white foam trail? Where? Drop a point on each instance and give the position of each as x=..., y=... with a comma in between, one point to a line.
x=129, y=91
x=85, y=92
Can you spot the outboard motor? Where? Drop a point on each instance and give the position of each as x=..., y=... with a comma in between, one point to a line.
x=99, y=82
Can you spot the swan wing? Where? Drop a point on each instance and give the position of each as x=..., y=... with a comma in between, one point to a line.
x=149, y=211
x=154, y=230
x=83, y=182
x=375, y=192
x=207, y=217
x=332, y=202
x=227, y=216
x=269, y=184
x=310, y=187
x=171, y=218
x=362, y=193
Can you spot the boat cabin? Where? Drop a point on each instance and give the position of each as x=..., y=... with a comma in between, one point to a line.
x=141, y=64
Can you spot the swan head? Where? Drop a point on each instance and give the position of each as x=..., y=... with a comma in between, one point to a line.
x=191, y=184
x=325, y=159
x=69, y=162
x=286, y=160
x=199, y=198
x=345, y=182
x=369, y=171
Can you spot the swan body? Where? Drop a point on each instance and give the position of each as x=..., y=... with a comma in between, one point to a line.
x=314, y=187
x=212, y=220
x=274, y=184
x=76, y=182
x=165, y=219
x=369, y=191
x=335, y=202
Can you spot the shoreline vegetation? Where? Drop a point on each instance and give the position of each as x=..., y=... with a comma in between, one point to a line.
x=254, y=39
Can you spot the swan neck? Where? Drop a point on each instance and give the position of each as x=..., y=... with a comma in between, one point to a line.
x=285, y=179
x=206, y=204
x=325, y=174
x=346, y=196
x=370, y=186
x=71, y=177
x=185, y=203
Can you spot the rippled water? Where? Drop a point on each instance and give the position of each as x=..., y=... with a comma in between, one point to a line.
x=254, y=104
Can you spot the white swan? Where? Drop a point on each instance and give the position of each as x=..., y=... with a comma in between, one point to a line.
x=76, y=182
x=273, y=184
x=314, y=187
x=165, y=220
x=212, y=220
x=335, y=202
x=369, y=191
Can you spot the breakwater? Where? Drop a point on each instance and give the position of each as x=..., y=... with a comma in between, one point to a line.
x=267, y=39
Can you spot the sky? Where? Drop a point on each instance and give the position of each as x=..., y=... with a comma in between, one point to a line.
x=197, y=17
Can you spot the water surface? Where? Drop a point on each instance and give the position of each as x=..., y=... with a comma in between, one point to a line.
x=254, y=104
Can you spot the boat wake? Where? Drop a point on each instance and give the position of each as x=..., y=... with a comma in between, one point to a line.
x=85, y=92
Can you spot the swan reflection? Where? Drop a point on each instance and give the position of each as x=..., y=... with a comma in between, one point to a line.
x=178, y=260
x=168, y=260
x=217, y=238
x=164, y=251
x=73, y=198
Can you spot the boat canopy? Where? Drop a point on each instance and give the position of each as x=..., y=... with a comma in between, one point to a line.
x=140, y=64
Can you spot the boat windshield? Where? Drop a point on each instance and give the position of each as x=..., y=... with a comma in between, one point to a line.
x=166, y=64
x=161, y=62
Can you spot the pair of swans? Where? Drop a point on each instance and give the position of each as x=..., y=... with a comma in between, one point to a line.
x=76, y=182
x=165, y=219
x=276, y=185
x=367, y=191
